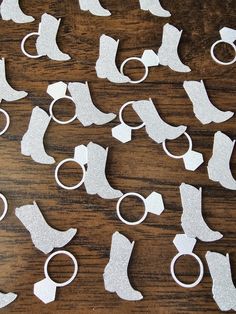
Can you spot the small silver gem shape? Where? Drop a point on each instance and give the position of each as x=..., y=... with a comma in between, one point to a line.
x=150, y=58
x=184, y=244
x=154, y=203
x=193, y=160
x=122, y=133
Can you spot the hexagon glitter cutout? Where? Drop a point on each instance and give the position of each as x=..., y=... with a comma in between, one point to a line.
x=45, y=290
x=228, y=34
x=193, y=160
x=150, y=58
x=57, y=90
x=154, y=203
x=184, y=244
x=122, y=133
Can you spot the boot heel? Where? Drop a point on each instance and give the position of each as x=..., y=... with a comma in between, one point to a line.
x=108, y=283
x=143, y=5
x=83, y=5
x=99, y=70
x=24, y=147
x=212, y=175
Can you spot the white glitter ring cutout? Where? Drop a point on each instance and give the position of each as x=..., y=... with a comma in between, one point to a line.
x=7, y=121
x=186, y=285
x=5, y=206
x=131, y=223
x=65, y=186
x=192, y=159
x=152, y=204
x=214, y=56
x=23, y=45
x=122, y=120
x=123, y=131
x=53, y=116
x=135, y=59
x=61, y=284
x=190, y=146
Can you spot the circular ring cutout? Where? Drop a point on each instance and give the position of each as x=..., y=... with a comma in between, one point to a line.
x=172, y=270
x=215, y=58
x=5, y=206
x=121, y=117
x=52, y=115
x=131, y=223
x=23, y=46
x=63, y=284
x=60, y=183
x=180, y=156
x=136, y=59
x=7, y=121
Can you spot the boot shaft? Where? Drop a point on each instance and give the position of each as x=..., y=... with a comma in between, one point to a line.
x=108, y=48
x=39, y=122
x=223, y=145
x=121, y=249
x=219, y=267
x=49, y=28
x=171, y=37
x=80, y=92
x=95, y=153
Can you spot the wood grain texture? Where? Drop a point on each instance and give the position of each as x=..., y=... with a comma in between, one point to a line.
x=139, y=166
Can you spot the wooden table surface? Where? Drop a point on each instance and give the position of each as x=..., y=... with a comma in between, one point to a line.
x=138, y=166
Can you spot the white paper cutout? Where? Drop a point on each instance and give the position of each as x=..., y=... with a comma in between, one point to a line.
x=192, y=221
x=58, y=91
x=6, y=91
x=81, y=158
x=44, y=237
x=6, y=115
x=168, y=52
x=150, y=58
x=152, y=204
x=185, y=246
x=106, y=63
x=5, y=206
x=46, y=44
x=192, y=159
x=116, y=271
x=203, y=109
x=94, y=7
x=167, y=56
x=95, y=178
x=223, y=288
x=123, y=131
x=85, y=110
x=6, y=299
x=143, y=78
x=219, y=163
x=154, y=7
x=157, y=129
x=10, y=10
x=32, y=141
x=45, y=289
x=228, y=35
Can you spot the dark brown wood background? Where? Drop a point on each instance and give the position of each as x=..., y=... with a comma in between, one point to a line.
x=140, y=166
